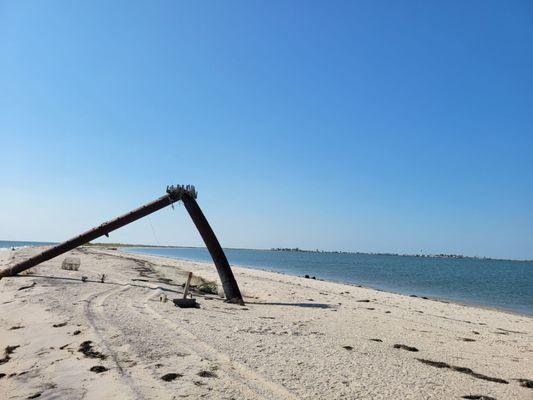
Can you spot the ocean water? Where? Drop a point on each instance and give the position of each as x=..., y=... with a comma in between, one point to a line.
x=8, y=245
x=500, y=284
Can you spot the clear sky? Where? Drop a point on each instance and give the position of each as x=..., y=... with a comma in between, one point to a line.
x=400, y=126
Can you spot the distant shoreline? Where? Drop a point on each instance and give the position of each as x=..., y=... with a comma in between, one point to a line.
x=292, y=250
x=298, y=250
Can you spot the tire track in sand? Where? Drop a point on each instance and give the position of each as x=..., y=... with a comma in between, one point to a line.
x=263, y=387
x=93, y=310
x=248, y=384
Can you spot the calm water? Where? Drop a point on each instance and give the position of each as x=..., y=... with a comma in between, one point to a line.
x=501, y=284
x=7, y=245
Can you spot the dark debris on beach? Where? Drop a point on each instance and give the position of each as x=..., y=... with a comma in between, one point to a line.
x=171, y=376
x=98, y=369
x=207, y=374
x=7, y=353
x=528, y=383
x=405, y=347
x=87, y=349
x=463, y=370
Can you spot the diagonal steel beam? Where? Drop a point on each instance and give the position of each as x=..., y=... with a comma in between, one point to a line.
x=174, y=193
x=231, y=289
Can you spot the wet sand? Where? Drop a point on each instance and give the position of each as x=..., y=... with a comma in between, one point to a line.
x=296, y=338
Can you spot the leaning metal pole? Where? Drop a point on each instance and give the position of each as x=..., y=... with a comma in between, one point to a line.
x=174, y=193
x=231, y=289
x=86, y=237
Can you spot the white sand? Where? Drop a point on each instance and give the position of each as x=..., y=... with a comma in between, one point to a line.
x=287, y=343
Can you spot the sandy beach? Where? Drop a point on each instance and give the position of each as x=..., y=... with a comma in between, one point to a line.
x=296, y=338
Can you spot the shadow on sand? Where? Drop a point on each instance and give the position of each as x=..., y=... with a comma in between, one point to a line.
x=305, y=305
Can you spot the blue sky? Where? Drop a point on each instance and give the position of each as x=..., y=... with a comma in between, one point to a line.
x=371, y=126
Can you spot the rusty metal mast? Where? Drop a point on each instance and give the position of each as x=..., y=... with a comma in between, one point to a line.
x=188, y=195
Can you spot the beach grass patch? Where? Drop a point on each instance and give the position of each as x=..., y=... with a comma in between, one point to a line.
x=208, y=288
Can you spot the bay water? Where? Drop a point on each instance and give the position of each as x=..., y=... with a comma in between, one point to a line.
x=503, y=284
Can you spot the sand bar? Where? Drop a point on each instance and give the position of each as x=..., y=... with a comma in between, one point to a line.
x=296, y=338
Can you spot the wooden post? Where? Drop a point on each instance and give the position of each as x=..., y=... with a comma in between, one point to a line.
x=187, y=285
